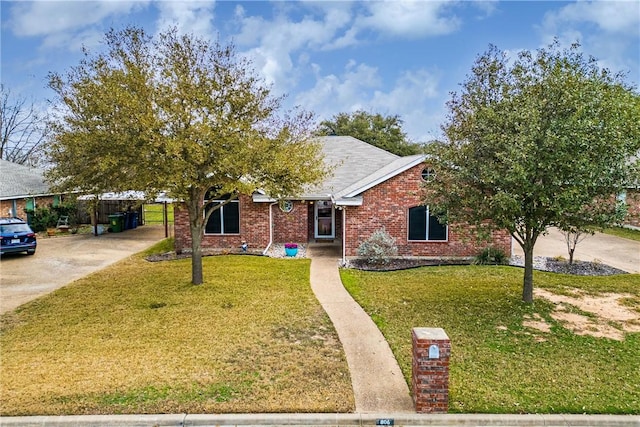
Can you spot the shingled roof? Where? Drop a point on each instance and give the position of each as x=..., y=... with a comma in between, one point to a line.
x=357, y=166
x=20, y=181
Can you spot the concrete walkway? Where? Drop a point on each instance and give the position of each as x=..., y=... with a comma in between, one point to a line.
x=378, y=384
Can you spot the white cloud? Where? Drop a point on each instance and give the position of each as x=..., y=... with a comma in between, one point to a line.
x=408, y=18
x=621, y=17
x=413, y=97
x=52, y=18
x=279, y=39
x=69, y=25
x=347, y=92
x=360, y=87
x=608, y=30
x=192, y=17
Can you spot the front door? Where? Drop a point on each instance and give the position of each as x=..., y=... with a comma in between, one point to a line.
x=325, y=220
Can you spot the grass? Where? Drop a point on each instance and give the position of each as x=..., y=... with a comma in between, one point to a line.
x=153, y=213
x=625, y=233
x=137, y=337
x=497, y=364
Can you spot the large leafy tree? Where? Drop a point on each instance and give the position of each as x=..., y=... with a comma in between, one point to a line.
x=541, y=140
x=382, y=131
x=179, y=114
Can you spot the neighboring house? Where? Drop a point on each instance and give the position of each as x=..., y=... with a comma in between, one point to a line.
x=369, y=189
x=23, y=189
x=631, y=197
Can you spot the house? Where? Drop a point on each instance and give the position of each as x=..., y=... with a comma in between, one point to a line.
x=631, y=198
x=369, y=189
x=23, y=189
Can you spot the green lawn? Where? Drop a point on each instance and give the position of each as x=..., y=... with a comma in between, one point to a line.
x=625, y=233
x=137, y=337
x=498, y=365
x=153, y=213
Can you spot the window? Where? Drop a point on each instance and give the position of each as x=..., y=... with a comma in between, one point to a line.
x=286, y=206
x=423, y=226
x=428, y=174
x=225, y=219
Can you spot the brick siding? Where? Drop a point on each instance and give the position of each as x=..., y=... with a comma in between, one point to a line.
x=6, y=206
x=633, y=208
x=385, y=205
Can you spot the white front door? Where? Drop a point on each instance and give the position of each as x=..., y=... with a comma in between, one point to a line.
x=325, y=219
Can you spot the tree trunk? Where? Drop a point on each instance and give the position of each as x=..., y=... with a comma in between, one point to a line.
x=196, y=226
x=527, y=288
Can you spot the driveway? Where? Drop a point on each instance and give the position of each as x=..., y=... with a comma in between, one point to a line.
x=63, y=259
x=610, y=250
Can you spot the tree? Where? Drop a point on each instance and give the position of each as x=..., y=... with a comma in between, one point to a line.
x=180, y=114
x=572, y=237
x=383, y=132
x=23, y=129
x=540, y=141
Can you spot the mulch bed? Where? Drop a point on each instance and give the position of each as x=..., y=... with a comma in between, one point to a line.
x=580, y=268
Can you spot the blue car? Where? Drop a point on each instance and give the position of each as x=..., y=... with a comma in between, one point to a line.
x=16, y=236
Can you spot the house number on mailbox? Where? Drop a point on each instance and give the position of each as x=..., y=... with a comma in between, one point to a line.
x=434, y=352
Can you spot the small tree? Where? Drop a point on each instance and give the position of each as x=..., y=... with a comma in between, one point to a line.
x=572, y=237
x=540, y=141
x=376, y=129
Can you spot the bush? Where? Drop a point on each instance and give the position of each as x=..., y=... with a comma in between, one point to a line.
x=68, y=209
x=379, y=248
x=42, y=218
x=491, y=256
x=47, y=216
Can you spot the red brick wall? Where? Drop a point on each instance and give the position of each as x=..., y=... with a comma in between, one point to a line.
x=254, y=228
x=292, y=226
x=633, y=206
x=6, y=206
x=388, y=204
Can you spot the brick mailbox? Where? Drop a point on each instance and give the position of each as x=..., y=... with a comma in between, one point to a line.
x=430, y=374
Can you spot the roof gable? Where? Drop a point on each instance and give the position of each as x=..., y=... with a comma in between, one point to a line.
x=356, y=167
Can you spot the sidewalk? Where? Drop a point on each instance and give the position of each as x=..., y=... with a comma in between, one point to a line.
x=202, y=420
x=378, y=384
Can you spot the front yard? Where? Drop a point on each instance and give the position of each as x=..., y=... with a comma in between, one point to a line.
x=137, y=337
x=575, y=350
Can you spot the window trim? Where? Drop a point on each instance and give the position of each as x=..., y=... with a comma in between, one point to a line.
x=427, y=174
x=221, y=209
x=427, y=216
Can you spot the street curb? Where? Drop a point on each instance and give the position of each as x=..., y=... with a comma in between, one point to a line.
x=353, y=419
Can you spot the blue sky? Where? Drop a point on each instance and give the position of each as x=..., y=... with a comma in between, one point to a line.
x=395, y=57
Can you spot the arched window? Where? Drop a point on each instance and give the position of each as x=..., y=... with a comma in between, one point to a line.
x=423, y=226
